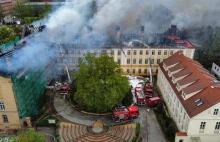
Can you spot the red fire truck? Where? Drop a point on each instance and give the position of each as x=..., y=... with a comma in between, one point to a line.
x=123, y=113
x=64, y=90
x=139, y=94
x=151, y=102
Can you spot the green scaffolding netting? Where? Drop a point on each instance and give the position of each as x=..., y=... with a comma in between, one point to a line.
x=28, y=90
x=8, y=46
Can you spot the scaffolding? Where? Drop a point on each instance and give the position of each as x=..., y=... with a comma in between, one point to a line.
x=28, y=88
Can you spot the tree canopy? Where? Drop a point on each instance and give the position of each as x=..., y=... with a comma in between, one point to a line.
x=27, y=136
x=6, y=34
x=100, y=84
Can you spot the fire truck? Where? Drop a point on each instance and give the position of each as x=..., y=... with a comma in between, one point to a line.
x=139, y=94
x=148, y=90
x=122, y=113
x=64, y=89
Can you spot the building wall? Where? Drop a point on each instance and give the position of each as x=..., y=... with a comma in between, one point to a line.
x=7, y=97
x=175, y=108
x=138, y=67
x=216, y=69
x=7, y=6
x=184, y=123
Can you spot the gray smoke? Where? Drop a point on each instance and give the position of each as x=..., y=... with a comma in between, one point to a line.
x=70, y=21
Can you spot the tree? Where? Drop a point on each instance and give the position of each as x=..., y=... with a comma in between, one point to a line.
x=21, y=10
x=1, y=13
x=29, y=136
x=100, y=84
x=6, y=34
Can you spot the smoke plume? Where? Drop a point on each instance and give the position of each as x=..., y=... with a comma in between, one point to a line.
x=70, y=21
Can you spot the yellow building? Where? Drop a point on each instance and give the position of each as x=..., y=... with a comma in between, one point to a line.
x=133, y=60
x=8, y=109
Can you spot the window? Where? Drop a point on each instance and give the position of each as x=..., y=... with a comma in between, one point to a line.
x=119, y=52
x=147, y=52
x=128, y=71
x=152, y=61
x=153, y=52
x=159, y=52
x=146, y=61
x=103, y=51
x=202, y=125
x=140, y=61
x=215, y=112
x=133, y=70
x=139, y=70
x=119, y=61
x=158, y=61
x=128, y=52
x=181, y=109
x=141, y=52
x=217, y=126
x=171, y=52
x=128, y=61
x=112, y=52
x=134, y=61
x=135, y=52
x=2, y=106
x=145, y=70
x=179, y=120
x=79, y=52
x=165, y=52
x=184, y=116
x=5, y=118
x=156, y=70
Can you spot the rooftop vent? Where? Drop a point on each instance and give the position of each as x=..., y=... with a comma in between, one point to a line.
x=215, y=82
x=196, y=101
x=199, y=104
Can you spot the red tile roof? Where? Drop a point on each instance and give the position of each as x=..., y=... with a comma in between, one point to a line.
x=181, y=134
x=209, y=95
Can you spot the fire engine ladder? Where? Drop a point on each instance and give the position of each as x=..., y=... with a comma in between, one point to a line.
x=64, y=61
x=149, y=58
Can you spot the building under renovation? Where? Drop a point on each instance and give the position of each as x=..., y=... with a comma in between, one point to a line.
x=20, y=88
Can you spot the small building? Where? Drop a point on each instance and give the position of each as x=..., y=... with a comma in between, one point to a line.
x=216, y=68
x=192, y=96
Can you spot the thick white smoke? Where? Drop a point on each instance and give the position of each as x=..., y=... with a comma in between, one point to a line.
x=70, y=21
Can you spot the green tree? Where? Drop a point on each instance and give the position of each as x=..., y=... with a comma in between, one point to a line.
x=6, y=34
x=21, y=10
x=1, y=13
x=100, y=84
x=28, y=136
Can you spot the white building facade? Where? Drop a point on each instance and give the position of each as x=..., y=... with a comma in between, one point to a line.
x=216, y=67
x=192, y=96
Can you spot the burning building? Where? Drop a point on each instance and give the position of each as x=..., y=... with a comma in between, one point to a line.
x=21, y=88
x=129, y=51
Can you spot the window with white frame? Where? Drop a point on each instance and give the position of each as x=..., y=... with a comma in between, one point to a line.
x=5, y=118
x=184, y=116
x=202, y=125
x=181, y=109
x=217, y=126
x=179, y=120
x=173, y=79
x=2, y=106
x=215, y=112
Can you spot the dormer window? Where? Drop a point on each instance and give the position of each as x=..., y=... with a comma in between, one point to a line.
x=164, y=66
x=169, y=73
x=173, y=79
x=178, y=87
x=184, y=95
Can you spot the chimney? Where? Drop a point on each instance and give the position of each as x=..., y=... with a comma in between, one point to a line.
x=142, y=34
x=173, y=30
x=118, y=33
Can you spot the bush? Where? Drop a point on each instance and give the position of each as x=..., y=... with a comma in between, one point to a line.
x=134, y=139
x=127, y=100
x=138, y=128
